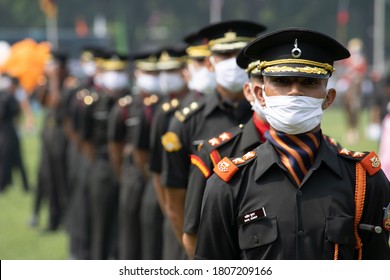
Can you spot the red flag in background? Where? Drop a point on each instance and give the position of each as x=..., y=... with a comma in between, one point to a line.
x=49, y=7
x=342, y=12
x=81, y=27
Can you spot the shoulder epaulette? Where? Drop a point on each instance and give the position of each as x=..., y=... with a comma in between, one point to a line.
x=90, y=98
x=125, y=100
x=332, y=141
x=183, y=114
x=82, y=93
x=150, y=100
x=72, y=82
x=212, y=145
x=170, y=106
x=227, y=168
x=369, y=160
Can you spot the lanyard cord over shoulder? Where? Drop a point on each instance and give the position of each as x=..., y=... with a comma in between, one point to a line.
x=360, y=192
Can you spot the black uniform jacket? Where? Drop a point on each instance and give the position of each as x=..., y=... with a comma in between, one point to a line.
x=201, y=120
x=234, y=142
x=262, y=214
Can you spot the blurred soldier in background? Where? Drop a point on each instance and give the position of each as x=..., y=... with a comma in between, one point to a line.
x=384, y=143
x=102, y=184
x=354, y=70
x=129, y=128
x=52, y=171
x=201, y=80
x=224, y=108
x=175, y=92
x=78, y=101
x=10, y=153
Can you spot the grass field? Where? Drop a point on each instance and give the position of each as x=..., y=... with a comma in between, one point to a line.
x=18, y=241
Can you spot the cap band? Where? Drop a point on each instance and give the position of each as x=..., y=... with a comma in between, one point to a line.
x=273, y=66
x=114, y=65
x=253, y=67
x=229, y=42
x=198, y=51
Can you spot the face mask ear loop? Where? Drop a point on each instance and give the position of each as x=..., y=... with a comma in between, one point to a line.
x=212, y=60
x=264, y=94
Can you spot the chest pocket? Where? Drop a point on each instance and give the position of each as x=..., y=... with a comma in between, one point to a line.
x=258, y=233
x=340, y=230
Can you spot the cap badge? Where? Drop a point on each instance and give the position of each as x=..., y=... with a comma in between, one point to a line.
x=230, y=35
x=296, y=52
x=375, y=162
x=223, y=166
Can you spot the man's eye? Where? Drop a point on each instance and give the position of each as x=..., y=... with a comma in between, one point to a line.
x=311, y=82
x=280, y=80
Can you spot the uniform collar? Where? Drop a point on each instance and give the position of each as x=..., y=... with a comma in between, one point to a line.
x=268, y=156
x=211, y=103
x=250, y=136
x=214, y=101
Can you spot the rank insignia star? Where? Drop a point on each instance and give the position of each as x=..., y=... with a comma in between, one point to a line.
x=214, y=141
x=249, y=155
x=358, y=154
x=225, y=136
x=238, y=161
x=345, y=152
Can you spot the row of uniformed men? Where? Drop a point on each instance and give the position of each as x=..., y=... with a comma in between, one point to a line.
x=109, y=192
x=140, y=160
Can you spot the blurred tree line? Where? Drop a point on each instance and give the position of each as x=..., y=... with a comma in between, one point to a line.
x=138, y=24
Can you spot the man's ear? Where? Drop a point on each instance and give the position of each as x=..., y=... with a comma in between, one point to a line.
x=247, y=92
x=257, y=89
x=329, y=99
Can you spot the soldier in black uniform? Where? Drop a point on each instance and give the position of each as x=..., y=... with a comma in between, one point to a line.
x=296, y=196
x=200, y=79
x=129, y=129
x=102, y=184
x=10, y=153
x=52, y=172
x=171, y=64
x=77, y=105
x=235, y=141
x=219, y=111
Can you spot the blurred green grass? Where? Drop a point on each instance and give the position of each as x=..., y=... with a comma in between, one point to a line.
x=18, y=241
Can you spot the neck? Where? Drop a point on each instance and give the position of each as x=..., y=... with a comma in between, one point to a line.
x=228, y=95
x=178, y=94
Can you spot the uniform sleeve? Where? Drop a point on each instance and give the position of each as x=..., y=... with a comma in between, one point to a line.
x=176, y=163
x=157, y=130
x=116, y=124
x=376, y=246
x=217, y=234
x=141, y=132
x=86, y=121
x=195, y=190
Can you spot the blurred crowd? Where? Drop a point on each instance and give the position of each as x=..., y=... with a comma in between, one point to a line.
x=115, y=164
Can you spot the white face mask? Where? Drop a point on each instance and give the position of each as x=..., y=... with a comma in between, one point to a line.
x=256, y=106
x=293, y=114
x=148, y=83
x=114, y=80
x=89, y=68
x=171, y=82
x=202, y=80
x=229, y=75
